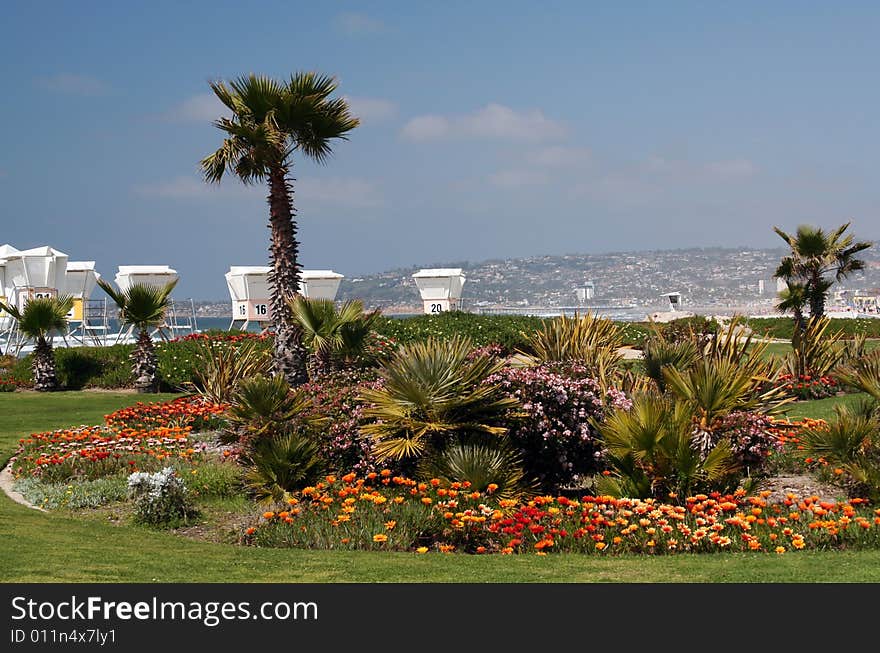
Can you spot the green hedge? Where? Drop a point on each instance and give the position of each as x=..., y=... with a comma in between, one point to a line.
x=504, y=330
x=783, y=327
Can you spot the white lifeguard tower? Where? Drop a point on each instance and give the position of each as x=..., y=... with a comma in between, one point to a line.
x=88, y=317
x=31, y=273
x=440, y=289
x=28, y=274
x=179, y=319
x=249, y=290
x=6, y=321
x=319, y=284
x=674, y=299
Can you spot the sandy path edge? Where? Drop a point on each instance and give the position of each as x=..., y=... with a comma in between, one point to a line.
x=6, y=482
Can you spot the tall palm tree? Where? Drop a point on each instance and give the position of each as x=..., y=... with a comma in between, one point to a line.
x=815, y=254
x=38, y=320
x=327, y=330
x=143, y=307
x=270, y=121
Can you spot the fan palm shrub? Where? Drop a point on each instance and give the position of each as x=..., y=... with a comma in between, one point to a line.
x=328, y=330
x=143, y=307
x=40, y=318
x=849, y=443
x=263, y=407
x=278, y=466
x=650, y=452
x=432, y=392
x=489, y=467
x=660, y=353
x=271, y=120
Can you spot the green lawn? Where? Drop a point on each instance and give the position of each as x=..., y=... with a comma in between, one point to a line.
x=40, y=547
x=781, y=349
x=823, y=408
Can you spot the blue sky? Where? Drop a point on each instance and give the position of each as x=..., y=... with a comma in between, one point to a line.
x=490, y=129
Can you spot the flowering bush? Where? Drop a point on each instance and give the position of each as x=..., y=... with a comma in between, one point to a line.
x=335, y=397
x=8, y=385
x=158, y=498
x=555, y=434
x=381, y=511
x=223, y=337
x=807, y=387
x=752, y=439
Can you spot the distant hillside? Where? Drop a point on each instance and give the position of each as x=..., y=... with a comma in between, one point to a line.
x=705, y=277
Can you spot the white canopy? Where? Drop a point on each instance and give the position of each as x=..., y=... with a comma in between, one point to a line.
x=81, y=279
x=440, y=283
x=39, y=267
x=320, y=284
x=248, y=282
x=150, y=275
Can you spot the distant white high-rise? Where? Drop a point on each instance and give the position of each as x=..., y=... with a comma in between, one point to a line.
x=586, y=292
x=760, y=286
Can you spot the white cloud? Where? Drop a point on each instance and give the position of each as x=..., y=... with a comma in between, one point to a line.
x=494, y=122
x=354, y=23
x=372, y=109
x=344, y=192
x=204, y=107
x=516, y=178
x=73, y=84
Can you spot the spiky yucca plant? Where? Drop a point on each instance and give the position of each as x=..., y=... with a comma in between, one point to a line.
x=814, y=351
x=863, y=374
x=432, y=391
x=589, y=340
x=144, y=307
x=38, y=320
x=222, y=366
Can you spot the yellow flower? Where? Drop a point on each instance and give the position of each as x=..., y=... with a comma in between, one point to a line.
x=422, y=549
x=381, y=537
x=390, y=524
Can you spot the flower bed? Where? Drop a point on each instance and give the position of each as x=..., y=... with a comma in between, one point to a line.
x=142, y=437
x=385, y=512
x=806, y=387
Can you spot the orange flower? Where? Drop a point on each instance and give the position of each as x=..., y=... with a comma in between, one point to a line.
x=780, y=550
x=381, y=537
x=600, y=545
x=390, y=524
x=250, y=531
x=268, y=515
x=426, y=501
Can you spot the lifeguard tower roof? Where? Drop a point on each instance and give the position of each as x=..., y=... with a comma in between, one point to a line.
x=320, y=284
x=151, y=275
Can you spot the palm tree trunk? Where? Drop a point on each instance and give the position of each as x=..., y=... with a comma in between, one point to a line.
x=144, y=363
x=817, y=297
x=289, y=356
x=43, y=366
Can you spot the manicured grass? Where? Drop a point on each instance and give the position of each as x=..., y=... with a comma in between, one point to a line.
x=39, y=547
x=781, y=349
x=823, y=408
